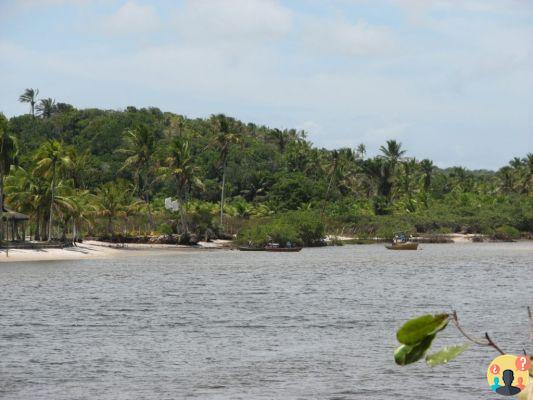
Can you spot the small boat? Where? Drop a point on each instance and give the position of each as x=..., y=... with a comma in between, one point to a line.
x=403, y=246
x=275, y=247
x=401, y=242
x=283, y=249
x=249, y=248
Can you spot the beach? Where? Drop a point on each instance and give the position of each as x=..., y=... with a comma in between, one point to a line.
x=93, y=249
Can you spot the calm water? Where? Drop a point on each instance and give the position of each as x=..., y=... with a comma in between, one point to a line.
x=237, y=325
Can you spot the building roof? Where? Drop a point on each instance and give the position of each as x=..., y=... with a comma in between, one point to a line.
x=10, y=214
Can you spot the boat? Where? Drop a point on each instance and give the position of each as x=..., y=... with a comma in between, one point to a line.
x=401, y=242
x=283, y=249
x=403, y=246
x=249, y=248
x=275, y=247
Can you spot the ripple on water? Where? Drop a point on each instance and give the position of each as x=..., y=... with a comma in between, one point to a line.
x=318, y=324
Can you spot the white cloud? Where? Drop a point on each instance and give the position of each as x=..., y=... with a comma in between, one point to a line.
x=459, y=76
x=131, y=18
x=340, y=36
x=233, y=20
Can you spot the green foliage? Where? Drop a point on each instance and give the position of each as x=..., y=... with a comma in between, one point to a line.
x=506, y=232
x=165, y=229
x=408, y=354
x=256, y=174
x=274, y=231
x=417, y=329
x=416, y=337
x=298, y=227
x=446, y=355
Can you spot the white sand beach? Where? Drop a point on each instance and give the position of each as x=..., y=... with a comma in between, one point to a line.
x=99, y=250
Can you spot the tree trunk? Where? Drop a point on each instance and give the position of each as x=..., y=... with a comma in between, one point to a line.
x=74, y=231
x=222, y=195
x=50, y=222
x=1, y=206
x=37, y=235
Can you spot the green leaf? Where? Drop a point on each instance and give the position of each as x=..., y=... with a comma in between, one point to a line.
x=406, y=354
x=445, y=355
x=415, y=330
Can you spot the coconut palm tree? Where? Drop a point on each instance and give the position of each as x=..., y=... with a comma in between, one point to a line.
x=8, y=156
x=338, y=170
x=30, y=96
x=140, y=146
x=181, y=169
x=51, y=159
x=227, y=135
x=46, y=107
x=528, y=178
x=112, y=199
x=426, y=166
x=80, y=167
x=393, y=151
x=361, y=151
x=409, y=170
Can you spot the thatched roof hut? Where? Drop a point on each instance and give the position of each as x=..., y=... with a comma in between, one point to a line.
x=13, y=215
x=13, y=225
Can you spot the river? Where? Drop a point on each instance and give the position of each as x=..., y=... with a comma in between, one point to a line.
x=319, y=324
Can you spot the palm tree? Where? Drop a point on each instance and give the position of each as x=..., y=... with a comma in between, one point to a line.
x=507, y=179
x=8, y=155
x=427, y=169
x=181, y=170
x=227, y=135
x=283, y=137
x=340, y=160
x=393, y=151
x=112, y=200
x=46, y=107
x=80, y=167
x=140, y=147
x=380, y=171
x=528, y=180
x=361, y=151
x=409, y=171
x=51, y=157
x=30, y=96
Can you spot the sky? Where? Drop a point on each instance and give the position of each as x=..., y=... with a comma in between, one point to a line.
x=450, y=79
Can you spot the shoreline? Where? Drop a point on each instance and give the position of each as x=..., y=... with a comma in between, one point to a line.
x=92, y=249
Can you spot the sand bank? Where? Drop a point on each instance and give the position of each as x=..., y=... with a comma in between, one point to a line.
x=100, y=250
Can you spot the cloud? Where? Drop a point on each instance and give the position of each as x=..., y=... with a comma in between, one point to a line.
x=337, y=35
x=345, y=74
x=131, y=18
x=233, y=20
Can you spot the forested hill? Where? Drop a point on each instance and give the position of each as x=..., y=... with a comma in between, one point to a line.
x=77, y=159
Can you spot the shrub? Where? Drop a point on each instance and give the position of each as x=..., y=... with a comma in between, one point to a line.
x=165, y=229
x=506, y=232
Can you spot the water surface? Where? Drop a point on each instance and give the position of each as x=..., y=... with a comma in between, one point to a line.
x=318, y=324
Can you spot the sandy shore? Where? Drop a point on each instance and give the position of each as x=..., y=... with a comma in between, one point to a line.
x=100, y=250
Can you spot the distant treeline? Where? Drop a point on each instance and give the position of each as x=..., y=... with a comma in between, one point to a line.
x=106, y=172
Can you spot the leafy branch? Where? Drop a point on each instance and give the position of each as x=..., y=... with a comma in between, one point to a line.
x=417, y=335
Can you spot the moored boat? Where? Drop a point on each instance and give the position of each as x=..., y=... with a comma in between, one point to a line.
x=248, y=248
x=283, y=249
x=401, y=241
x=403, y=246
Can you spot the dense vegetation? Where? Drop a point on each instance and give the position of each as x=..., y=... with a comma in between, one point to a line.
x=108, y=173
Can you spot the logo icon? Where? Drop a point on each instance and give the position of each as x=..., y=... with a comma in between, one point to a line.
x=508, y=375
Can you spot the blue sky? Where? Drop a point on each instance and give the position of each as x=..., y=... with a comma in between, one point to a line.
x=451, y=79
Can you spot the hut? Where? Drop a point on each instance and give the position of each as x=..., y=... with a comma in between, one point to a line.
x=13, y=225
